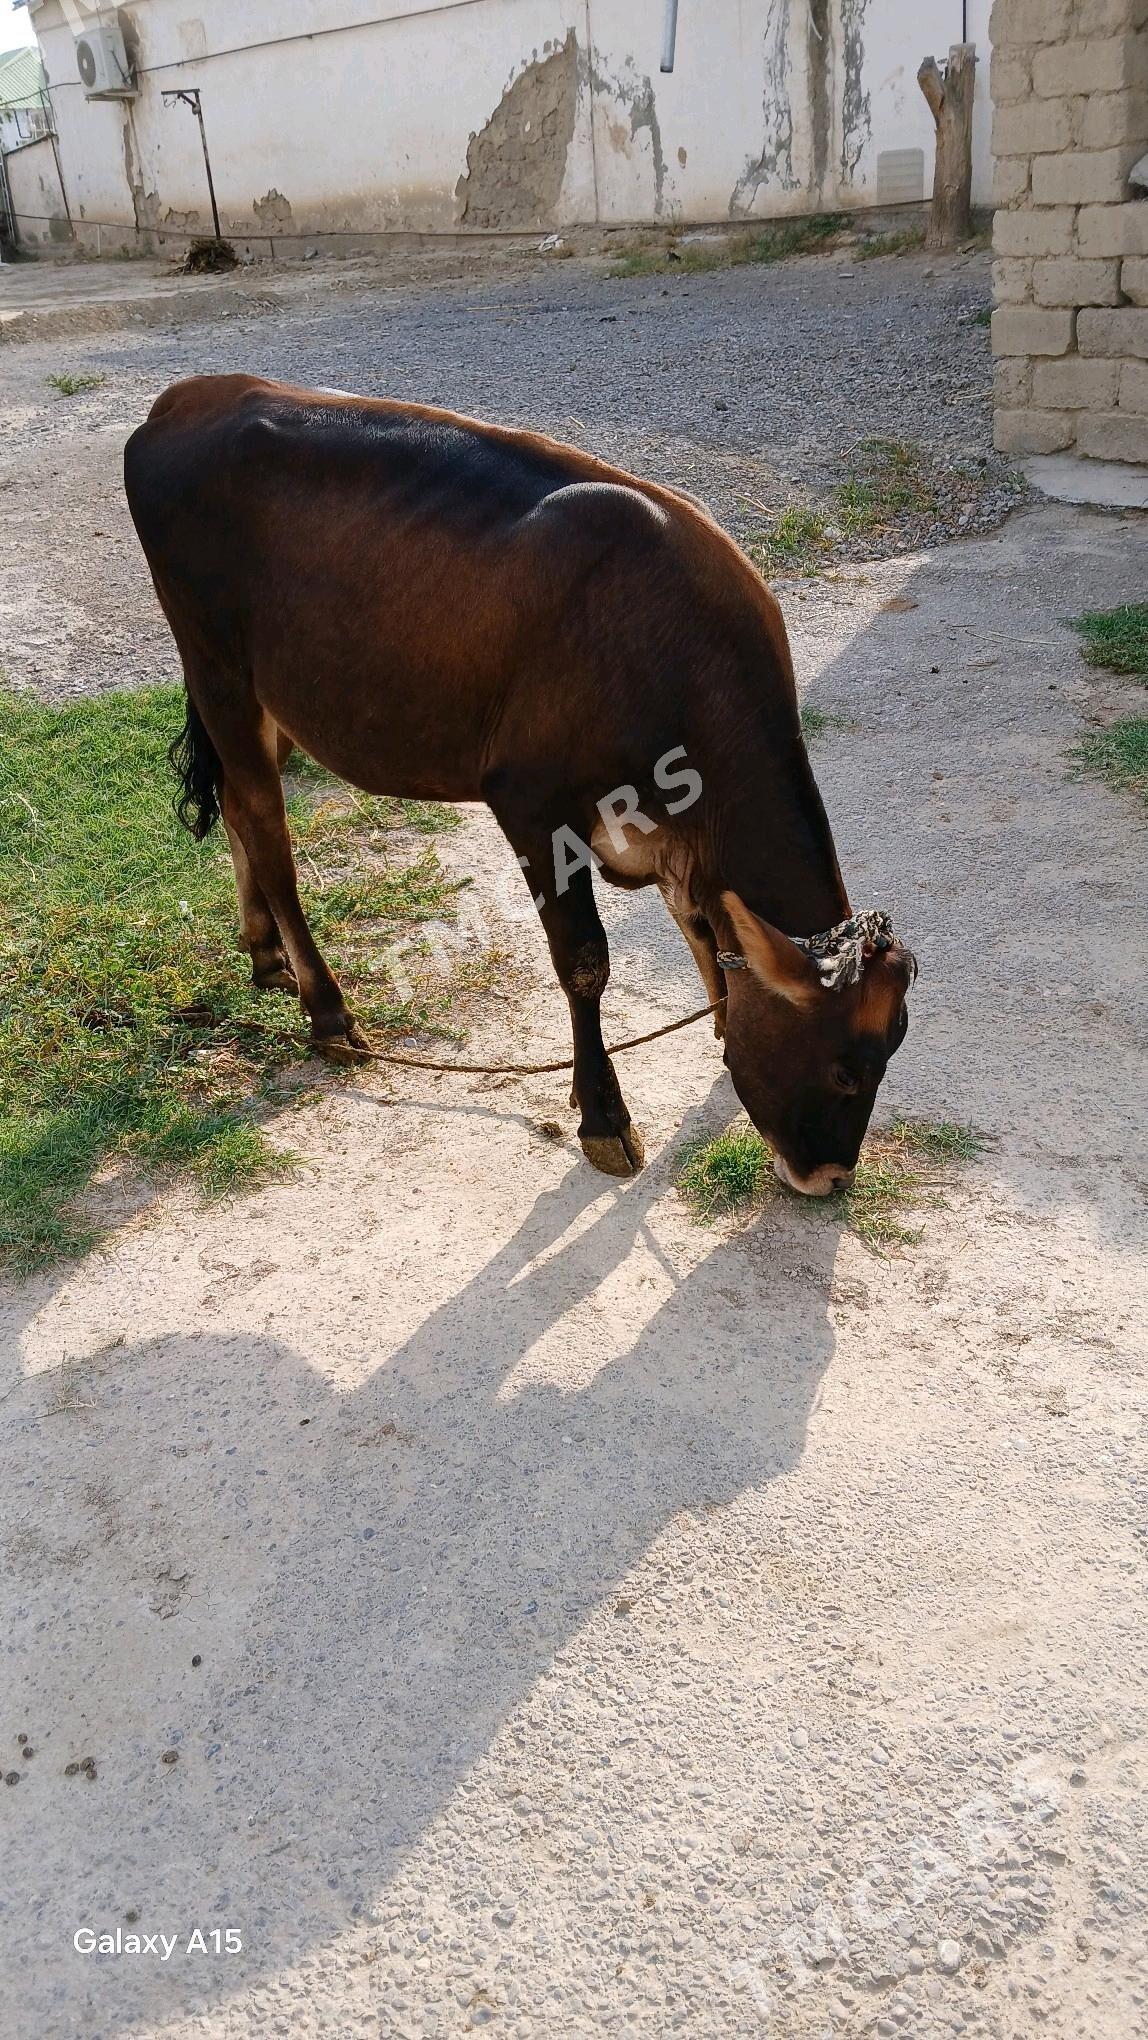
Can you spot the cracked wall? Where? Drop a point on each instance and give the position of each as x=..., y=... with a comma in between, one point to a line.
x=516, y=164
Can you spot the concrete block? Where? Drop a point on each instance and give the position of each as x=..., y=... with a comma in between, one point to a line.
x=1134, y=279
x=1109, y=118
x=1122, y=333
x=1029, y=21
x=1134, y=387
x=1073, y=384
x=1113, y=229
x=1033, y=431
x=1027, y=329
x=1033, y=127
x=1112, y=435
x=1066, y=280
x=1083, y=176
x=1010, y=179
x=1012, y=383
x=1106, y=17
x=1010, y=76
x=1012, y=280
x=1088, y=64
x=1029, y=231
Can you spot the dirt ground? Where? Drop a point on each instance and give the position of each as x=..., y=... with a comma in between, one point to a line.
x=498, y=1598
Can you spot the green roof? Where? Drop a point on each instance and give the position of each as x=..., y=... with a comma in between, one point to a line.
x=21, y=78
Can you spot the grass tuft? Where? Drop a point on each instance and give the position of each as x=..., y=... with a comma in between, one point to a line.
x=1118, y=754
x=774, y=243
x=735, y=1170
x=794, y=542
x=898, y=242
x=128, y=1027
x=886, y=480
x=1115, y=638
x=71, y=385
x=816, y=721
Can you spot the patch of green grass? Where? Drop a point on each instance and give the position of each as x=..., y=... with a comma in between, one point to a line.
x=1116, y=638
x=1118, y=754
x=886, y=478
x=735, y=1170
x=731, y=251
x=794, y=542
x=717, y=1175
x=71, y=385
x=983, y=316
x=815, y=722
x=129, y=1032
x=897, y=242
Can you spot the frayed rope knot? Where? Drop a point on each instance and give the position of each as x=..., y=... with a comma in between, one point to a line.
x=840, y=953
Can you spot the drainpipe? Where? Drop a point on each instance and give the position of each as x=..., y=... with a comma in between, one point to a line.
x=669, y=35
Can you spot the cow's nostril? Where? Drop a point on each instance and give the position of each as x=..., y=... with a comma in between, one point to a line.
x=842, y=1178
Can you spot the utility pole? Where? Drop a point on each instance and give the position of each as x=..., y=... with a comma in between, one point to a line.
x=190, y=97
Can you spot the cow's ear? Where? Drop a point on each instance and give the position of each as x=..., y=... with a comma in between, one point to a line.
x=775, y=961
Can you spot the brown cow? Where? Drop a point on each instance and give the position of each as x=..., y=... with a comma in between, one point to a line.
x=444, y=609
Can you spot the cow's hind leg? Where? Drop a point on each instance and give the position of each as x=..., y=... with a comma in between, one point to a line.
x=582, y=960
x=259, y=930
x=253, y=810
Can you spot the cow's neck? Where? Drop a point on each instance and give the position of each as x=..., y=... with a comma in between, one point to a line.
x=770, y=841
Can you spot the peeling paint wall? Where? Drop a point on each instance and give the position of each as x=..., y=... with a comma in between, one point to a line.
x=516, y=164
x=356, y=117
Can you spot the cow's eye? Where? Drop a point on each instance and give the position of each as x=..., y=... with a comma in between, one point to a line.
x=844, y=1079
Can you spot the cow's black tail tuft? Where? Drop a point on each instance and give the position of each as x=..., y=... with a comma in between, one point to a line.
x=195, y=762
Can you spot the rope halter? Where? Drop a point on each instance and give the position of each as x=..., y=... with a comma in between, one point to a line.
x=839, y=953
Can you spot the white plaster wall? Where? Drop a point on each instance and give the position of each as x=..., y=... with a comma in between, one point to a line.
x=358, y=113
x=37, y=200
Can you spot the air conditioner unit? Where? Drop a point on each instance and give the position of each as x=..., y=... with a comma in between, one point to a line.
x=102, y=62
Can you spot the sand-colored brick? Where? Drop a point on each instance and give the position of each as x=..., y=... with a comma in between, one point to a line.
x=1083, y=176
x=1134, y=387
x=1113, y=229
x=1109, y=118
x=1032, y=127
x=1010, y=179
x=1113, y=435
x=1088, y=64
x=1074, y=384
x=1010, y=76
x=1033, y=431
x=1012, y=281
x=1134, y=278
x=1028, y=329
x=1109, y=334
x=1066, y=280
x=1029, y=21
x=1012, y=382
x=1031, y=231
x=1105, y=17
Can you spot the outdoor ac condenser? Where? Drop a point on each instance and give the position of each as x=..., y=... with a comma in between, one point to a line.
x=102, y=62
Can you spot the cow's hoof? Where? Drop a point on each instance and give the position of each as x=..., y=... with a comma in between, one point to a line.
x=280, y=979
x=351, y=1046
x=719, y=1026
x=622, y=1155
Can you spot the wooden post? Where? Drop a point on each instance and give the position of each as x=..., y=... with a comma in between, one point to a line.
x=950, y=97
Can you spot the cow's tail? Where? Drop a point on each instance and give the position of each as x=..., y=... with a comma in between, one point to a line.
x=195, y=762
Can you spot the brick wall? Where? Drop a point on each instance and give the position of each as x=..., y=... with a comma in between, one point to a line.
x=1069, y=85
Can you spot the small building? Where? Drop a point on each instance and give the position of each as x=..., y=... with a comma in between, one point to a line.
x=24, y=115
x=344, y=119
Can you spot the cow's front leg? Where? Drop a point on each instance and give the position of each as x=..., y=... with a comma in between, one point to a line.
x=582, y=960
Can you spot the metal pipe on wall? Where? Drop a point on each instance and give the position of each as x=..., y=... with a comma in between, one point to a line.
x=669, y=35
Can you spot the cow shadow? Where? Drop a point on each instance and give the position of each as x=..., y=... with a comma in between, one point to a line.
x=328, y=1604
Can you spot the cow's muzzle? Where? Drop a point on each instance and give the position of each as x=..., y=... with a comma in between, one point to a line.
x=823, y=1181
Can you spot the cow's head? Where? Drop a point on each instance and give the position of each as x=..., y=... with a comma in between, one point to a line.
x=808, y=1036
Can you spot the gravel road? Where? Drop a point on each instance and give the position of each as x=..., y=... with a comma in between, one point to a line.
x=747, y=387
x=565, y=1617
